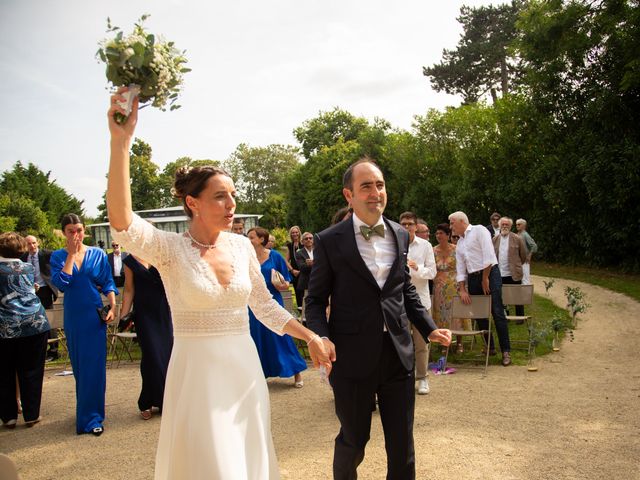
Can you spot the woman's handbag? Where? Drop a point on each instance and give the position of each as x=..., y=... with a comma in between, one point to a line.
x=126, y=321
x=278, y=280
x=103, y=312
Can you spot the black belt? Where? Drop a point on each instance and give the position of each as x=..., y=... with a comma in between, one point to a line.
x=475, y=274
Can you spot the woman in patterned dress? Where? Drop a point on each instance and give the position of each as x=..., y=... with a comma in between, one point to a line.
x=445, y=285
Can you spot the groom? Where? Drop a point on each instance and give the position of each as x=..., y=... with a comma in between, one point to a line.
x=360, y=266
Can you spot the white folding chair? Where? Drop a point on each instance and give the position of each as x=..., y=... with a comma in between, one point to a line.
x=55, y=316
x=519, y=295
x=480, y=307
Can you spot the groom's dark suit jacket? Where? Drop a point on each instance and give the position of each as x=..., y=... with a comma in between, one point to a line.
x=359, y=308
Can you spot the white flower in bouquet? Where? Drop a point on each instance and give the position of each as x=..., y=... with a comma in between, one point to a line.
x=149, y=64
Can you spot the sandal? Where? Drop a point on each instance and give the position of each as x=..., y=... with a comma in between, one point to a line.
x=97, y=431
x=146, y=414
x=298, y=382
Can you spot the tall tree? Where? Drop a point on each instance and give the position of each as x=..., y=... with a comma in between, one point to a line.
x=259, y=172
x=582, y=62
x=146, y=186
x=32, y=183
x=482, y=61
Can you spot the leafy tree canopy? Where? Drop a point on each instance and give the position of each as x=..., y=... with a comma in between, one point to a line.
x=482, y=61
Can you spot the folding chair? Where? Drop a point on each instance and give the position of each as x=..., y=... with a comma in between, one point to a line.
x=519, y=295
x=55, y=316
x=122, y=343
x=119, y=343
x=480, y=307
x=287, y=299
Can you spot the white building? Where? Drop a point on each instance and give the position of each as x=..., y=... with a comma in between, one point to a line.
x=170, y=219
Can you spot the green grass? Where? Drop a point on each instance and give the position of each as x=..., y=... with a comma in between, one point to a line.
x=541, y=311
x=618, y=282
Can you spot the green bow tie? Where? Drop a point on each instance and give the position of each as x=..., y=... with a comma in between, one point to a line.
x=367, y=232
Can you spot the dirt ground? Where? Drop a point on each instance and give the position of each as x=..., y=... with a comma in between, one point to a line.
x=575, y=418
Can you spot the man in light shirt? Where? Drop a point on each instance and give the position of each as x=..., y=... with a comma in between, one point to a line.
x=512, y=253
x=115, y=259
x=422, y=268
x=304, y=259
x=478, y=274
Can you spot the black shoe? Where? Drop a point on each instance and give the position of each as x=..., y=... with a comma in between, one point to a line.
x=97, y=431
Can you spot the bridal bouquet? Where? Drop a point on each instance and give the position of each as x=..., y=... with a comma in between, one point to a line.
x=151, y=67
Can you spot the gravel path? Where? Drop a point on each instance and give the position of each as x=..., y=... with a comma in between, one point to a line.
x=575, y=418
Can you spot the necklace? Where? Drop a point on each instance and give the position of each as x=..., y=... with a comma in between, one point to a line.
x=203, y=245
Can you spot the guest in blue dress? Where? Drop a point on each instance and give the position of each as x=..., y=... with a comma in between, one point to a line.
x=144, y=294
x=24, y=331
x=279, y=356
x=83, y=272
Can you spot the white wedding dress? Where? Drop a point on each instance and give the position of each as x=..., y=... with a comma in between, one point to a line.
x=216, y=417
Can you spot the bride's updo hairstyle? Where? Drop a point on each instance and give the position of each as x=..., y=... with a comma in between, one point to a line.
x=192, y=181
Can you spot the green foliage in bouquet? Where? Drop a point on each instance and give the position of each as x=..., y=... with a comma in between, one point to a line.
x=145, y=60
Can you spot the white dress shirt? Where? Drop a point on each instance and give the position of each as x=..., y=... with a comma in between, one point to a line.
x=474, y=252
x=503, y=256
x=117, y=265
x=309, y=252
x=378, y=253
x=421, y=252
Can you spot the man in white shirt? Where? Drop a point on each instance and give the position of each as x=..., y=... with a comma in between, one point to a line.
x=478, y=274
x=422, y=268
x=115, y=259
x=304, y=259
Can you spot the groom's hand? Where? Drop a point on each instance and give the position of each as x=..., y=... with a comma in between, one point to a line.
x=441, y=336
x=323, y=353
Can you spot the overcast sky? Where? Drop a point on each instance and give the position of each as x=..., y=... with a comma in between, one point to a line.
x=260, y=68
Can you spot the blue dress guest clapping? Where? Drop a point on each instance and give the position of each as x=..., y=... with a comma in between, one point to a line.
x=278, y=354
x=86, y=333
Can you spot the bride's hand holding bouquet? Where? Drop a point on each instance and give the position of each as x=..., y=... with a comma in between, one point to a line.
x=151, y=68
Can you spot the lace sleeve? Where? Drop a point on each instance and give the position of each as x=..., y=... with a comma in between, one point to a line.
x=265, y=308
x=145, y=241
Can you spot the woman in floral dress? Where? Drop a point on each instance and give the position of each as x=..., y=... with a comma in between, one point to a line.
x=445, y=285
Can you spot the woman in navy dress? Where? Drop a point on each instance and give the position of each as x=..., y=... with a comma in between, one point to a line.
x=79, y=271
x=144, y=293
x=279, y=356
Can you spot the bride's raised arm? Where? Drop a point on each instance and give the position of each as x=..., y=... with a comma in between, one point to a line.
x=118, y=187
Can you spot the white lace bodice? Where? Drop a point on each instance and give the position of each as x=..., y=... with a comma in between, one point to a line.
x=199, y=304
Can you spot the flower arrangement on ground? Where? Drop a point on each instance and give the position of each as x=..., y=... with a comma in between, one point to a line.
x=152, y=67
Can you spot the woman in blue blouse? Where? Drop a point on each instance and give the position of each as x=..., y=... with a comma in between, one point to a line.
x=24, y=331
x=79, y=271
x=278, y=354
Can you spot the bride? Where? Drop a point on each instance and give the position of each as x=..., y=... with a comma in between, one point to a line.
x=216, y=418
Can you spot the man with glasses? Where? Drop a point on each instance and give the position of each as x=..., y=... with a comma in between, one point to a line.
x=115, y=261
x=422, y=268
x=304, y=259
x=494, y=226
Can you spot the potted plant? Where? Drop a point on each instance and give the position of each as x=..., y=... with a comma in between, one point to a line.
x=575, y=303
